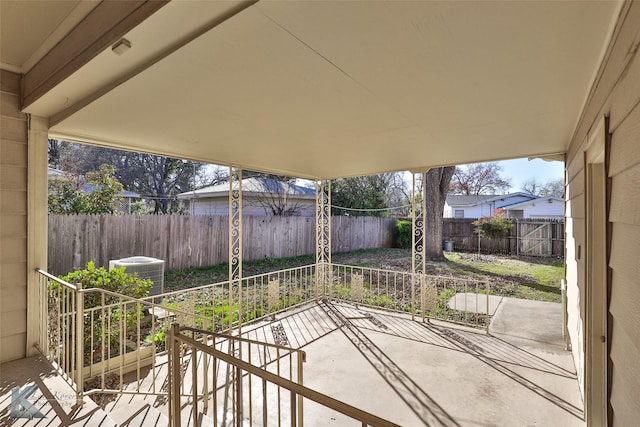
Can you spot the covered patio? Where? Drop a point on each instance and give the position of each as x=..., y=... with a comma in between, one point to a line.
x=326, y=90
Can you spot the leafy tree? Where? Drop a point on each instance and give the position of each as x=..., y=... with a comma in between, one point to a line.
x=552, y=188
x=65, y=196
x=98, y=193
x=156, y=178
x=106, y=194
x=56, y=152
x=479, y=178
x=437, y=184
x=159, y=178
x=364, y=194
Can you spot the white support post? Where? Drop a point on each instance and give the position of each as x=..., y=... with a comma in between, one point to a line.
x=235, y=244
x=323, y=239
x=36, y=225
x=418, y=213
x=79, y=350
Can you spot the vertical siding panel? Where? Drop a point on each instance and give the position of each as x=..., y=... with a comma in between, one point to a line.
x=13, y=216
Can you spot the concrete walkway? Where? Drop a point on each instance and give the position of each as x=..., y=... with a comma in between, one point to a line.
x=434, y=374
x=475, y=303
x=535, y=323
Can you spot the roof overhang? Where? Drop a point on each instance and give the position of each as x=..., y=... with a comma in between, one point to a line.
x=330, y=89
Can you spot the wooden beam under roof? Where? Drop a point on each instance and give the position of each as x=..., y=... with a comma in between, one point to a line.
x=103, y=26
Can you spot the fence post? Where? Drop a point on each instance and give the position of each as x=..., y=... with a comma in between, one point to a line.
x=174, y=375
x=43, y=300
x=488, y=289
x=79, y=343
x=194, y=381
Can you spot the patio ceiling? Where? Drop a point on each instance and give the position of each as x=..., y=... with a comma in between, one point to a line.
x=328, y=89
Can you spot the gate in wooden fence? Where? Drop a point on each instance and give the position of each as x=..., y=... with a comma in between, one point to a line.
x=534, y=239
x=528, y=237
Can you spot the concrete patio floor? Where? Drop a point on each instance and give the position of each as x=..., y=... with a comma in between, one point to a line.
x=436, y=374
x=414, y=373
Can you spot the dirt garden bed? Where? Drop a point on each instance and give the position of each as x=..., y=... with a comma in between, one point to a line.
x=520, y=277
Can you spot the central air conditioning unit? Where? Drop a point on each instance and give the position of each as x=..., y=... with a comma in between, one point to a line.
x=146, y=267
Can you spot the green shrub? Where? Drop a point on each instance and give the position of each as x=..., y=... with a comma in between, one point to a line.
x=493, y=227
x=405, y=230
x=117, y=281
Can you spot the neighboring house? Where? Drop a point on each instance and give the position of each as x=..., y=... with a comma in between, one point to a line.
x=541, y=208
x=479, y=206
x=128, y=197
x=259, y=195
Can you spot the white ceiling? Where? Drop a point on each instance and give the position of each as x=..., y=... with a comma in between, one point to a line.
x=28, y=29
x=328, y=89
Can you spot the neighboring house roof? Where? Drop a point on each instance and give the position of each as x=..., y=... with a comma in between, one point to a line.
x=88, y=188
x=520, y=205
x=54, y=173
x=252, y=186
x=475, y=200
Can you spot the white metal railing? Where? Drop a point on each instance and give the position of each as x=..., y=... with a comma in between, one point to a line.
x=100, y=335
x=247, y=388
x=62, y=329
x=263, y=295
x=463, y=301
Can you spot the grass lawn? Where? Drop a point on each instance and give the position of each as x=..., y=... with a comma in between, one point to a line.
x=529, y=278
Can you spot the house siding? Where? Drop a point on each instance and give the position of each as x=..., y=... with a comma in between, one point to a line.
x=13, y=220
x=544, y=209
x=482, y=209
x=616, y=95
x=574, y=260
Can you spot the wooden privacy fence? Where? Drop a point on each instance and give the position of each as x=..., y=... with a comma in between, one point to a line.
x=527, y=237
x=184, y=241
